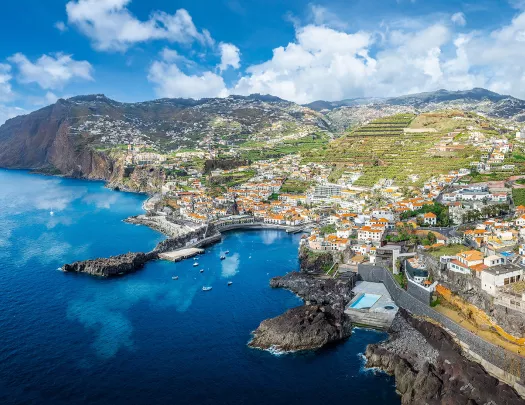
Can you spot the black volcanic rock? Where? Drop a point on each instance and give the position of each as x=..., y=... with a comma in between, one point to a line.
x=429, y=367
x=112, y=266
x=315, y=290
x=306, y=327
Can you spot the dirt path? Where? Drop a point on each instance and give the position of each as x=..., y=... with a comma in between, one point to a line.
x=487, y=335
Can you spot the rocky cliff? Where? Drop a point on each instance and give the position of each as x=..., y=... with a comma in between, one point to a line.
x=112, y=266
x=43, y=140
x=319, y=322
x=314, y=262
x=429, y=367
x=302, y=328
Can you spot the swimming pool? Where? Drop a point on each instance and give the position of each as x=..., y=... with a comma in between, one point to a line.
x=365, y=301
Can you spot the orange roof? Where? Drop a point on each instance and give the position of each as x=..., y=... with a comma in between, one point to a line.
x=430, y=215
x=478, y=267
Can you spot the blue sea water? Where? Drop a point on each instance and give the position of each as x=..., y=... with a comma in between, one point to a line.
x=145, y=338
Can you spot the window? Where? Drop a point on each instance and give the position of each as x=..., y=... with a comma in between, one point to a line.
x=506, y=281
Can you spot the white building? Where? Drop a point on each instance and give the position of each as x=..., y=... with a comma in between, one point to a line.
x=499, y=276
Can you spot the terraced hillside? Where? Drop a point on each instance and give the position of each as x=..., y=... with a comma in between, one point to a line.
x=388, y=149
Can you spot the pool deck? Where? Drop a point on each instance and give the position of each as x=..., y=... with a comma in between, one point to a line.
x=377, y=316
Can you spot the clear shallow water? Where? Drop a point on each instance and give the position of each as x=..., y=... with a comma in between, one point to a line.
x=144, y=338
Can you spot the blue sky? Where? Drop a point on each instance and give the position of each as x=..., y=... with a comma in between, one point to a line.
x=134, y=50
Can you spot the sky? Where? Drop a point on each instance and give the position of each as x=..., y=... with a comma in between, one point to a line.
x=136, y=50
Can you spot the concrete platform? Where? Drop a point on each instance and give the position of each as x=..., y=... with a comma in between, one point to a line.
x=381, y=314
x=181, y=254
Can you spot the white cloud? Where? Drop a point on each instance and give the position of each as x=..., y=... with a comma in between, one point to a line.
x=112, y=27
x=459, y=19
x=7, y=112
x=170, y=81
x=6, y=92
x=51, y=71
x=230, y=56
x=61, y=26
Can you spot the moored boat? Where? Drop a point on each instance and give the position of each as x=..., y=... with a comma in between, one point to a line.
x=175, y=278
x=230, y=282
x=206, y=288
x=195, y=264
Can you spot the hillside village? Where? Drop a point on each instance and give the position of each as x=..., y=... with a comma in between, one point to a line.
x=470, y=220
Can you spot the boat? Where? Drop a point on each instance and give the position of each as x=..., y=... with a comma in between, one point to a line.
x=175, y=278
x=195, y=264
x=51, y=213
x=230, y=282
x=223, y=257
x=227, y=252
x=201, y=270
x=206, y=288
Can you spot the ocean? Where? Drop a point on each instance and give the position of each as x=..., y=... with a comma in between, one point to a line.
x=145, y=338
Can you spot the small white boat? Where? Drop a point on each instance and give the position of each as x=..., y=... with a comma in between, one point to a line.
x=227, y=252
x=223, y=257
x=175, y=278
x=206, y=288
x=230, y=282
x=51, y=213
x=201, y=270
x=195, y=264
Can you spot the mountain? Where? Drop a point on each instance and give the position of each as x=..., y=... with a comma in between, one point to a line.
x=71, y=135
x=351, y=112
x=79, y=136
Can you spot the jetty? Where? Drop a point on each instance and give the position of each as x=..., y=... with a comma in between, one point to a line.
x=181, y=254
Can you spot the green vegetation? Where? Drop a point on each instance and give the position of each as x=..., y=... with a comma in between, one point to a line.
x=450, y=250
x=295, y=186
x=518, y=195
x=328, y=229
x=385, y=151
x=435, y=302
x=232, y=179
x=487, y=211
x=440, y=210
x=401, y=280
x=257, y=151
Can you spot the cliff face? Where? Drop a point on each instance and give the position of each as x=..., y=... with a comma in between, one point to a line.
x=43, y=140
x=314, y=262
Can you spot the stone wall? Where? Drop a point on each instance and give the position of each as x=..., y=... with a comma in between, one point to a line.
x=503, y=364
x=418, y=292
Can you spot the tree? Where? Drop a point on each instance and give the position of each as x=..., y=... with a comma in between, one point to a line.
x=431, y=238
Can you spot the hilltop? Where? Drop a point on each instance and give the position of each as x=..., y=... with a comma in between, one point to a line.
x=86, y=135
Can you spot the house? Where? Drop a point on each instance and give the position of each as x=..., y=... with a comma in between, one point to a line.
x=495, y=277
x=430, y=219
x=368, y=233
x=467, y=262
x=416, y=270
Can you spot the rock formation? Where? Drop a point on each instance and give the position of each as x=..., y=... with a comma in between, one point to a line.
x=112, y=266
x=320, y=321
x=429, y=367
x=302, y=328
x=314, y=262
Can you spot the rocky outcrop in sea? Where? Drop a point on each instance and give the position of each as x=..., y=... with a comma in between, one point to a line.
x=111, y=266
x=311, y=326
x=302, y=328
x=429, y=367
